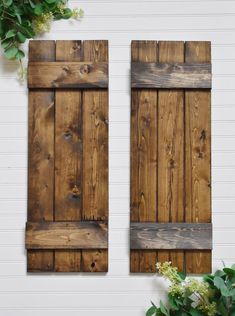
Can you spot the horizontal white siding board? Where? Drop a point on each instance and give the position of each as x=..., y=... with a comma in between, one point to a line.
x=116, y=293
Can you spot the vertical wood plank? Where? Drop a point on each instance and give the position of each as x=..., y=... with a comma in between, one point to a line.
x=171, y=151
x=41, y=156
x=143, y=156
x=68, y=156
x=198, y=156
x=95, y=157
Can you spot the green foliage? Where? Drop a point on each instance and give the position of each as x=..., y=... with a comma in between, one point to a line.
x=24, y=19
x=214, y=295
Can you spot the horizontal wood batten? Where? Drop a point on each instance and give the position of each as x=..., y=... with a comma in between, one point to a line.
x=171, y=236
x=170, y=76
x=67, y=75
x=66, y=235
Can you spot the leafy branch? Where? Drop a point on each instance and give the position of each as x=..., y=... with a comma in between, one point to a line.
x=214, y=295
x=24, y=19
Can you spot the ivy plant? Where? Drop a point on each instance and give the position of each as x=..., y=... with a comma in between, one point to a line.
x=24, y=19
x=213, y=295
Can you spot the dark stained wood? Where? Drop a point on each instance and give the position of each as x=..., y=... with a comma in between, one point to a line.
x=95, y=156
x=183, y=152
x=170, y=75
x=143, y=156
x=198, y=156
x=171, y=236
x=171, y=151
x=68, y=156
x=66, y=235
x=40, y=156
x=67, y=75
x=74, y=211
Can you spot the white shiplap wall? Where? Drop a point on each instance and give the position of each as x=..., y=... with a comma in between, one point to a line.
x=116, y=293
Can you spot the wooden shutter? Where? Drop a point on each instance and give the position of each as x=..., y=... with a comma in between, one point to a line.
x=171, y=155
x=67, y=227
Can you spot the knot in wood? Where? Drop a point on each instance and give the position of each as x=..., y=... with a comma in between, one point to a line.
x=84, y=69
x=75, y=191
x=67, y=134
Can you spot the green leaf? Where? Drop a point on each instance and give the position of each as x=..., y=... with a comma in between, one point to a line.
x=151, y=311
x=220, y=284
x=20, y=54
x=31, y=4
x=1, y=28
x=20, y=37
x=163, y=309
x=182, y=275
x=6, y=43
x=67, y=13
x=233, y=266
x=19, y=18
x=7, y=3
x=219, y=273
x=38, y=10
x=173, y=302
x=51, y=1
x=10, y=33
x=229, y=272
x=195, y=312
x=222, y=309
x=11, y=52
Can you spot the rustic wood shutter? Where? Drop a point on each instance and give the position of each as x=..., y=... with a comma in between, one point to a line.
x=67, y=227
x=171, y=155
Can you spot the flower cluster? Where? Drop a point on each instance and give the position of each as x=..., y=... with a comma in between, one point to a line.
x=42, y=23
x=169, y=272
x=193, y=291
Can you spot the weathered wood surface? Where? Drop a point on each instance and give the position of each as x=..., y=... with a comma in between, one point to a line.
x=198, y=157
x=68, y=156
x=66, y=235
x=72, y=167
x=171, y=236
x=170, y=205
x=143, y=156
x=182, y=126
x=170, y=75
x=67, y=74
x=95, y=156
x=41, y=156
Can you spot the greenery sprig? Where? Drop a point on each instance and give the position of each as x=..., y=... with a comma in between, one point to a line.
x=24, y=19
x=214, y=295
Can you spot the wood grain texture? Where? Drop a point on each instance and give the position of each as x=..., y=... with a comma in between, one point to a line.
x=183, y=152
x=198, y=156
x=66, y=235
x=67, y=74
x=171, y=236
x=72, y=190
x=40, y=156
x=95, y=156
x=170, y=75
x=171, y=150
x=68, y=156
x=143, y=156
